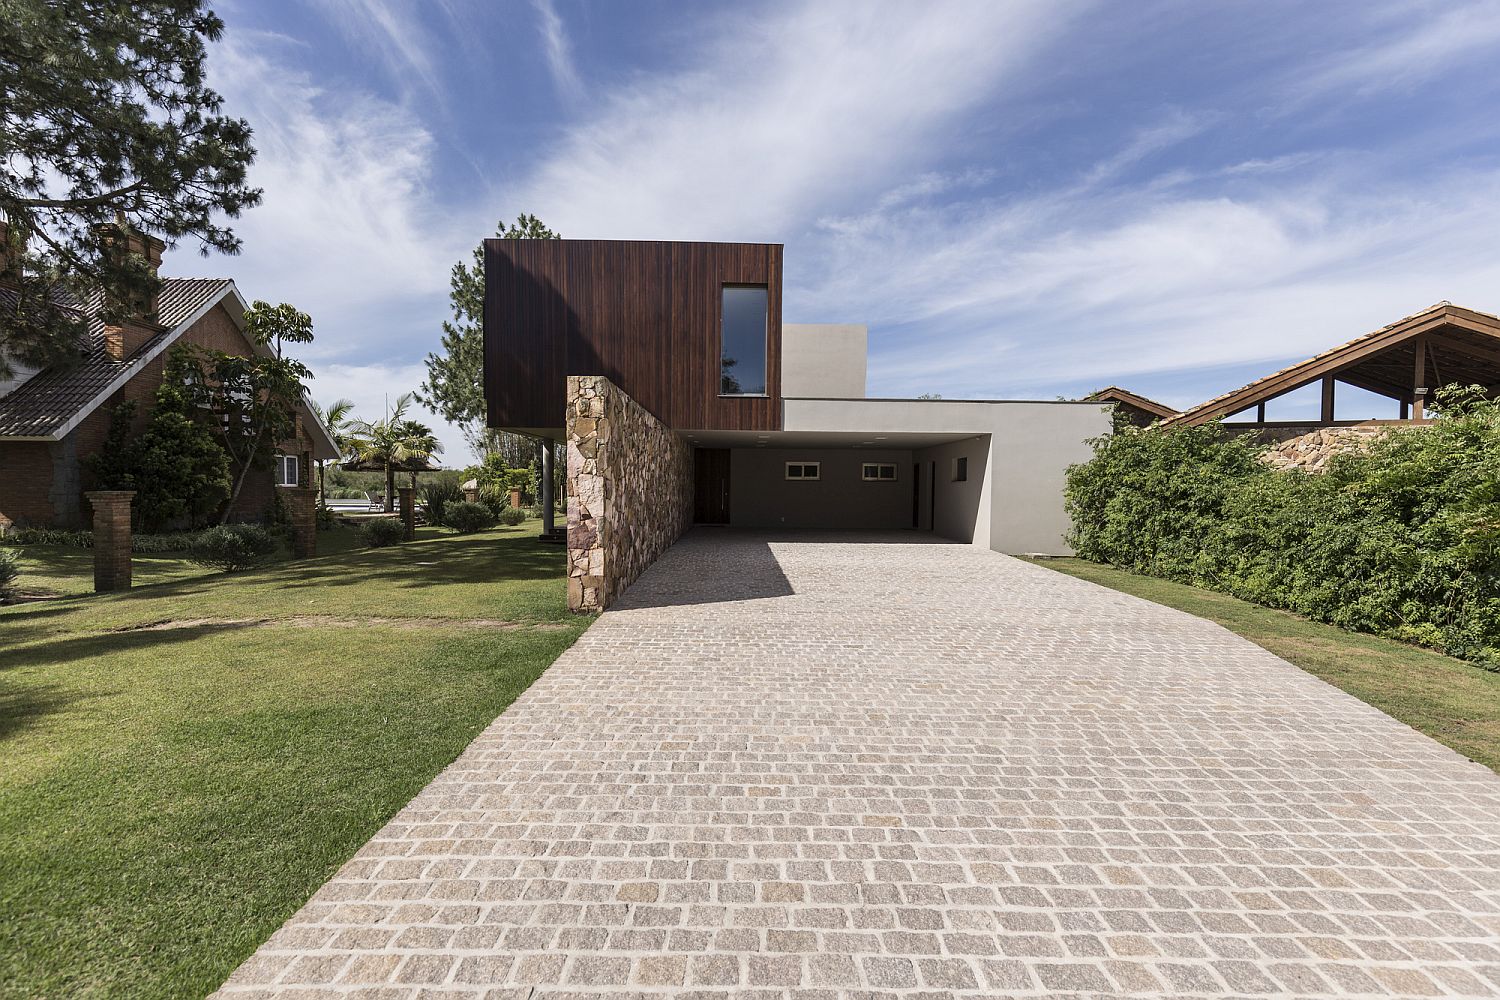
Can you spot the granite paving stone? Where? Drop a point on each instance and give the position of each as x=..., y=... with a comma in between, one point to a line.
x=823, y=766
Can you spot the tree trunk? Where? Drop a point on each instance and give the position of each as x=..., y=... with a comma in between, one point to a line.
x=322, y=487
x=390, y=486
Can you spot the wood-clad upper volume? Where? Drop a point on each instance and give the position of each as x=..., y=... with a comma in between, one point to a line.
x=645, y=315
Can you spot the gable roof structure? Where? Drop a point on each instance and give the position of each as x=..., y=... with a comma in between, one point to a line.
x=1115, y=394
x=48, y=405
x=1457, y=345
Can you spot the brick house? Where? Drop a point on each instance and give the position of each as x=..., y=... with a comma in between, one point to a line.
x=52, y=420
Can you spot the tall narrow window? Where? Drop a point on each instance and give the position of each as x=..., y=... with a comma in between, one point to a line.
x=742, y=341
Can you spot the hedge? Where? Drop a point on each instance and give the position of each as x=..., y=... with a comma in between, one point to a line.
x=1401, y=540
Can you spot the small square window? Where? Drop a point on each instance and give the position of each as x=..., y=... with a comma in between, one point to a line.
x=804, y=471
x=286, y=471
x=960, y=470
x=878, y=472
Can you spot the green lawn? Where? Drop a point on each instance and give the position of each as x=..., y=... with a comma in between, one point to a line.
x=169, y=795
x=1456, y=703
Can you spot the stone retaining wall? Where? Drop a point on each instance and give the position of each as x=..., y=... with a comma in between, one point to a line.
x=630, y=490
x=1311, y=452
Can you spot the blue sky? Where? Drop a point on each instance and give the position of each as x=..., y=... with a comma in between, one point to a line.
x=1021, y=199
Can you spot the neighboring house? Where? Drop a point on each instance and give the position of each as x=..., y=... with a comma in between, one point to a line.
x=1406, y=361
x=52, y=420
x=1139, y=410
x=716, y=412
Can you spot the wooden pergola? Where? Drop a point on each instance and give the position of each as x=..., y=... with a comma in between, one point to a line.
x=1137, y=409
x=1405, y=361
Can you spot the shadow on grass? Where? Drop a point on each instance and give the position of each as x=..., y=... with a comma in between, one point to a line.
x=72, y=646
x=22, y=708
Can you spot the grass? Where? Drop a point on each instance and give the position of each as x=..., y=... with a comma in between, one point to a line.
x=1455, y=703
x=170, y=795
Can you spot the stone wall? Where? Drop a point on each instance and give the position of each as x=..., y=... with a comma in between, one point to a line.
x=1312, y=451
x=630, y=490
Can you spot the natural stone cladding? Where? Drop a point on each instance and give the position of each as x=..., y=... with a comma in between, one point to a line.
x=1313, y=451
x=630, y=490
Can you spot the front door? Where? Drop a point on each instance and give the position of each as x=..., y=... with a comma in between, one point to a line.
x=711, y=501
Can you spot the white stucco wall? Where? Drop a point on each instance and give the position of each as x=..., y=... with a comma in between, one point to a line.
x=823, y=359
x=1019, y=507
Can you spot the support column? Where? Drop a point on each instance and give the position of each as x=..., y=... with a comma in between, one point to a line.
x=111, y=538
x=1328, y=390
x=1419, y=379
x=301, y=504
x=546, y=490
x=408, y=511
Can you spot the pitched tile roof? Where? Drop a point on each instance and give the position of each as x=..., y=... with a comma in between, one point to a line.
x=45, y=402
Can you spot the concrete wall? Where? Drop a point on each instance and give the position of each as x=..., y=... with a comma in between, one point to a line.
x=823, y=360
x=630, y=490
x=1031, y=445
x=760, y=496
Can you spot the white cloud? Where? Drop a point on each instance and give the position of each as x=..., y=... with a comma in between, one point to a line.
x=558, y=50
x=1432, y=43
x=781, y=114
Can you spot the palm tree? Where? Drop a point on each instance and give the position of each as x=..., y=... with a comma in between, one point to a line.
x=336, y=419
x=393, y=441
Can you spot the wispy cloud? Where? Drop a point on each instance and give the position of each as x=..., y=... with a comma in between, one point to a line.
x=783, y=112
x=1428, y=43
x=394, y=31
x=559, y=50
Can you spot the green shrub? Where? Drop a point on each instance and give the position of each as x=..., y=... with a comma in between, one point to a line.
x=49, y=536
x=10, y=572
x=512, y=516
x=379, y=532
x=1402, y=539
x=437, y=496
x=466, y=518
x=233, y=547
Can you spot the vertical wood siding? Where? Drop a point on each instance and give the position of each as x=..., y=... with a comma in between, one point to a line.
x=645, y=315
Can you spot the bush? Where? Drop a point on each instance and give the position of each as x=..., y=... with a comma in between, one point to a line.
x=437, y=496
x=10, y=572
x=233, y=547
x=512, y=516
x=466, y=518
x=1401, y=540
x=379, y=532
x=49, y=536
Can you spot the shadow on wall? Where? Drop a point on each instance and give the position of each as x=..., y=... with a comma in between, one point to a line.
x=719, y=565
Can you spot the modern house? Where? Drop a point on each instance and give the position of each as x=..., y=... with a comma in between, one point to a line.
x=1405, y=361
x=1135, y=408
x=683, y=398
x=52, y=420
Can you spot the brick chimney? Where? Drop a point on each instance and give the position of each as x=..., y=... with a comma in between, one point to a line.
x=124, y=339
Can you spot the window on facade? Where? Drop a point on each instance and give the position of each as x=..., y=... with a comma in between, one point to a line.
x=804, y=471
x=960, y=470
x=286, y=471
x=742, y=341
x=878, y=472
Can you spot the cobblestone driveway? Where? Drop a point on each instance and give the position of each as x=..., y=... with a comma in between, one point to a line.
x=887, y=767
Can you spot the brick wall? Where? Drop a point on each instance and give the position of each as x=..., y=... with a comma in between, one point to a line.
x=630, y=490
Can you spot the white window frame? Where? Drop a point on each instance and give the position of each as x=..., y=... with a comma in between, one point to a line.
x=878, y=467
x=802, y=467
x=286, y=464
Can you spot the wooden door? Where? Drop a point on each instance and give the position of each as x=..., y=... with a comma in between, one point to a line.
x=711, y=504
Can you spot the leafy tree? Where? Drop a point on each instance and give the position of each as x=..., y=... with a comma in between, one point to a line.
x=107, y=129
x=455, y=375
x=336, y=419
x=177, y=469
x=252, y=400
x=392, y=441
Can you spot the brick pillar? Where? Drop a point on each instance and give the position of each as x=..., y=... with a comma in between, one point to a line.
x=471, y=491
x=515, y=499
x=408, y=511
x=111, y=538
x=301, y=504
